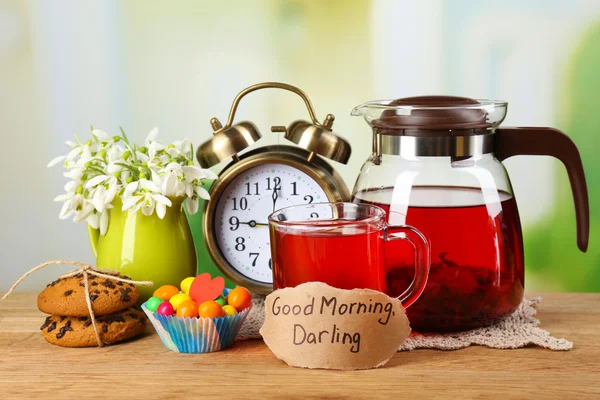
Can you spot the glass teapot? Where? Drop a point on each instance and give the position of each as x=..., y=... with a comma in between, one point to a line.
x=436, y=165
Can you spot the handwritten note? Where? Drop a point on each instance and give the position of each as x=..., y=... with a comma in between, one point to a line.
x=317, y=326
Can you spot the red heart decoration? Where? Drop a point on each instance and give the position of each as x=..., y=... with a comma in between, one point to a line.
x=204, y=288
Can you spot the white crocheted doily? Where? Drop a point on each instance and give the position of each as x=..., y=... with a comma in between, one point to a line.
x=519, y=330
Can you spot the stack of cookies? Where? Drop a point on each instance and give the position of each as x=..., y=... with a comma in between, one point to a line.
x=70, y=325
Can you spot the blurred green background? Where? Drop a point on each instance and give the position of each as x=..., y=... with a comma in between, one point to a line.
x=175, y=64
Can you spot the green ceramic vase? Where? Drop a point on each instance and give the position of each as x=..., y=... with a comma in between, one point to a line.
x=147, y=248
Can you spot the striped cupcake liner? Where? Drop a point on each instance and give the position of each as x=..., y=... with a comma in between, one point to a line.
x=196, y=335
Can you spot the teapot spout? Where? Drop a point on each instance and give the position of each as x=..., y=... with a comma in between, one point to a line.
x=359, y=110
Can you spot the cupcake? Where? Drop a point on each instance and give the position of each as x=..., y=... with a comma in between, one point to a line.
x=202, y=317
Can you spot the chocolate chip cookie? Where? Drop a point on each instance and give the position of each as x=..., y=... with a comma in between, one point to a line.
x=79, y=332
x=66, y=296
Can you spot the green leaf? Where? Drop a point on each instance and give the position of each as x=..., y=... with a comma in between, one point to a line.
x=125, y=139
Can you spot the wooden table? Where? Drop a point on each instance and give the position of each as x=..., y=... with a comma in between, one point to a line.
x=144, y=369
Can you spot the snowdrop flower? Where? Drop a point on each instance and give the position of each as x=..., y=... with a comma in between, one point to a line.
x=152, y=144
x=98, y=220
x=72, y=202
x=145, y=178
x=180, y=147
x=192, y=202
x=103, y=190
x=145, y=195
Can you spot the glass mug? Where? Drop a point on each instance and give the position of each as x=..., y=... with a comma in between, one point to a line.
x=343, y=245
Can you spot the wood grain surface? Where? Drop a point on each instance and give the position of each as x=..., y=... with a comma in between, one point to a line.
x=144, y=369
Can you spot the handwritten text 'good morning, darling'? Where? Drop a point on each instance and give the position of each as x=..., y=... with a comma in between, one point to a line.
x=330, y=306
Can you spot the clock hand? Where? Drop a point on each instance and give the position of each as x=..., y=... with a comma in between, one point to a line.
x=252, y=223
x=275, y=195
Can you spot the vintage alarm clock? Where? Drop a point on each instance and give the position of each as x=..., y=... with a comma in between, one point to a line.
x=261, y=181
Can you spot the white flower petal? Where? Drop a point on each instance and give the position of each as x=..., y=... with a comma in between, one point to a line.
x=180, y=189
x=71, y=186
x=93, y=220
x=70, y=143
x=114, y=154
x=130, y=189
x=173, y=152
x=203, y=193
x=63, y=197
x=148, y=209
x=192, y=205
x=169, y=185
x=130, y=202
x=66, y=210
x=189, y=189
x=156, y=179
x=137, y=207
x=151, y=136
x=208, y=174
x=112, y=168
x=173, y=167
x=192, y=172
x=162, y=199
x=101, y=135
x=149, y=185
x=56, y=161
x=110, y=194
x=141, y=156
x=96, y=180
x=161, y=210
x=88, y=208
x=99, y=198
x=74, y=153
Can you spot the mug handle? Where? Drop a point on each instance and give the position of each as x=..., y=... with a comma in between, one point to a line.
x=422, y=259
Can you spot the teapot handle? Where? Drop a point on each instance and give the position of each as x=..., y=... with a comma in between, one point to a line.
x=551, y=142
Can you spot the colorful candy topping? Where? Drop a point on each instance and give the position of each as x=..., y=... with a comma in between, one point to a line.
x=177, y=299
x=221, y=300
x=153, y=303
x=201, y=296
x=165, y=308
x=210, y=309
x=166, y=292
x=187, y=309
x=186, y=283
x=239, y=298
x=229, y=310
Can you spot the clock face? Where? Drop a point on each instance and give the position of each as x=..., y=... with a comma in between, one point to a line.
x=240, y=221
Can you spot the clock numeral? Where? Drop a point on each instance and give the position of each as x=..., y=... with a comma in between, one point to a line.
x=235, y=223
x=294, y=192
x=240, y=244
x=255, y=255
x=255, y=189
x=276, y=182
x=314, y=215
x=271, y=268
x=308, y=198
x=243, y=203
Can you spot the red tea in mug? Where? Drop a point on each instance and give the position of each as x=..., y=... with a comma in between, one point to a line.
x=343, y=257
x=343, y=245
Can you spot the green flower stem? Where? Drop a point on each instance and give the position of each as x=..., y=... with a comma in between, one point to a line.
x=125, y=139
x=133, y=171
x=95, y=169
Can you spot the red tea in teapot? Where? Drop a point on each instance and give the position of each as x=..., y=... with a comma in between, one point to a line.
x=476, y=276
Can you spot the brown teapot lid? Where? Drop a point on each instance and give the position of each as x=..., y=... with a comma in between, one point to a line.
x=433, y=115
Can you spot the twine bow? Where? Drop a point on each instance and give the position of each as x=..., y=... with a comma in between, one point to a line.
x=84, y=269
